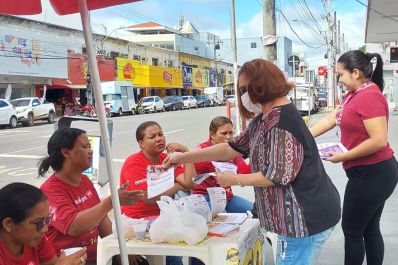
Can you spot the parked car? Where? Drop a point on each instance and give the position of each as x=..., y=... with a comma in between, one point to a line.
x=305, y=99
x=230, y=98
x=203, y=101
x=216, y=95
x=150, y=104
x=31, y=109
x=190, y=102
x=173, y=103
x=8, y=114
x=322, y=98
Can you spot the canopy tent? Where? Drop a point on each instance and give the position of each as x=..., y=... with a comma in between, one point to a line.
x=65, y=7
x=381, y=21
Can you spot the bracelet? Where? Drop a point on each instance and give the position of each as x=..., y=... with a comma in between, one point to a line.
x=238, y=179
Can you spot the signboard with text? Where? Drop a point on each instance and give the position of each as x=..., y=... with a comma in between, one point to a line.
x=32, y=54
x=200, y=78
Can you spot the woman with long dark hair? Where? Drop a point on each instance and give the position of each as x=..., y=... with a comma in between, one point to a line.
x=370, y=164
x=80, y=217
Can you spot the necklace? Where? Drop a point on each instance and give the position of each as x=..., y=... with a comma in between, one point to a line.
x=339, y=112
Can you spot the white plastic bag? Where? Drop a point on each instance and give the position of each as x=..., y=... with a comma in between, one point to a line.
x=176, y=224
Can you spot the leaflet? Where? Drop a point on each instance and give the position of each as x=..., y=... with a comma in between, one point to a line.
x=221, y=229
x=230, y=218
x=225, y=166
x=202, y=177
x=218, y=200
x=197, y=203
x=159, y=180
x=326, y=148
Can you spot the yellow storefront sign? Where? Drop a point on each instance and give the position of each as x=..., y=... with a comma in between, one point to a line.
x=200, y=78
x=142, y=75
x=165, y=77
x=134, y=71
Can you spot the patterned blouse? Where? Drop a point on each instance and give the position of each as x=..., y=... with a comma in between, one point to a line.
x=303, y=201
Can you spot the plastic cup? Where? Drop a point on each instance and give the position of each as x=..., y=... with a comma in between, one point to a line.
x=70, y=251
x=140, y=230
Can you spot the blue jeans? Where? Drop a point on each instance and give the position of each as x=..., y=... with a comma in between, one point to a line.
x=302, y=250
x=173, y=260
x=235, y=205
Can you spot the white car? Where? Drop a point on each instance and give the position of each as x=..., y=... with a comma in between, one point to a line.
x=190, y=102
x=8, y=114
x=150, y=104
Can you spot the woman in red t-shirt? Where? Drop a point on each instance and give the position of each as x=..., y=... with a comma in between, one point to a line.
x=152, y=142
x=221, y=131
x=370, y=164
x=24, y=216
x=79, y=214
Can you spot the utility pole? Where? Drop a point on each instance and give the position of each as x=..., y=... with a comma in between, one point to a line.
x=330, y=46
x=216, y=46
x=235, y=63
x=269, y=29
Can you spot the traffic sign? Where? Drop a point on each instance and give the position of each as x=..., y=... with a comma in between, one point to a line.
x=296, y=60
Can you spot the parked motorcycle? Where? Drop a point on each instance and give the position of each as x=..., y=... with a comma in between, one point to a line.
x=90, y=111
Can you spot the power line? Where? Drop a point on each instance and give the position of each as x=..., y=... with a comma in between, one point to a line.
x=305, y=43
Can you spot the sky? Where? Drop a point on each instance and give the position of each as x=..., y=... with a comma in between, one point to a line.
x=213, y=16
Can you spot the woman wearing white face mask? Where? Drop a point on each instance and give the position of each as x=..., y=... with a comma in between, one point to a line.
x=295, y=198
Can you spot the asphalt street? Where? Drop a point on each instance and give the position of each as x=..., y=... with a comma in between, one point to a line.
x=21, y=149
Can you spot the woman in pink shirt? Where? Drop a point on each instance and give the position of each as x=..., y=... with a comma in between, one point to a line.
x=370, y=164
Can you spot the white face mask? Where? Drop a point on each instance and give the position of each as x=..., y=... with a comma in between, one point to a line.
x=249, y=105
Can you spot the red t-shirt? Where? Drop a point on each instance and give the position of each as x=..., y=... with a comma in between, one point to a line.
x=366, y=104
x=66, y=201
x=207, y=167
x=42, y=253
x=134, y=170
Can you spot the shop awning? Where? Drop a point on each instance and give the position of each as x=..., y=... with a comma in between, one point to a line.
x=64, y=83
x=381, y=21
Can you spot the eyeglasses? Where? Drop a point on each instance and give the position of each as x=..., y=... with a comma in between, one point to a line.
x=242, y=89
x=41, y=223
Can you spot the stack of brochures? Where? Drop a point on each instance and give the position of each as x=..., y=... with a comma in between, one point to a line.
x=224, y=223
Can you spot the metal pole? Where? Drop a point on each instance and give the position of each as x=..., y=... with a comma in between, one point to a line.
x=294, y=81
x=235, y=63
x=215, y=62
x=269, y=28
x=91, y=52
x=330, y=54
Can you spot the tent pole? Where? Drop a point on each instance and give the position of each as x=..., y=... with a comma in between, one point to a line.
x=92, y=60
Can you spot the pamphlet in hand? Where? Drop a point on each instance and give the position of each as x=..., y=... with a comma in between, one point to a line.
x=327, y=148
x=159, y=180
x=225, y=166
x=200, y=178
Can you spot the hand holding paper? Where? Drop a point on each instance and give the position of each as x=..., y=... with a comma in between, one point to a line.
x=333, y=152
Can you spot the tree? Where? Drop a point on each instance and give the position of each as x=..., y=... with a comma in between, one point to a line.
x=362, y=48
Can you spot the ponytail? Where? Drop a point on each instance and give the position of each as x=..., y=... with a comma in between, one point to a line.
x=358, y=60
x=377, y=75
x=44, y=166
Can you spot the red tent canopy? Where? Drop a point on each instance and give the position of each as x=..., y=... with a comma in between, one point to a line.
x=62, y=7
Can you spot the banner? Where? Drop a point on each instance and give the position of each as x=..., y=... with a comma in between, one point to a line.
x=212, y=81
x=165, y=77
x=187, y=76
x=200, y=78
x=31, y=54
x=134, y=71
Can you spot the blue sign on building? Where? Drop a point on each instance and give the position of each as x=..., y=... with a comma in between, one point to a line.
x=187, y=76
